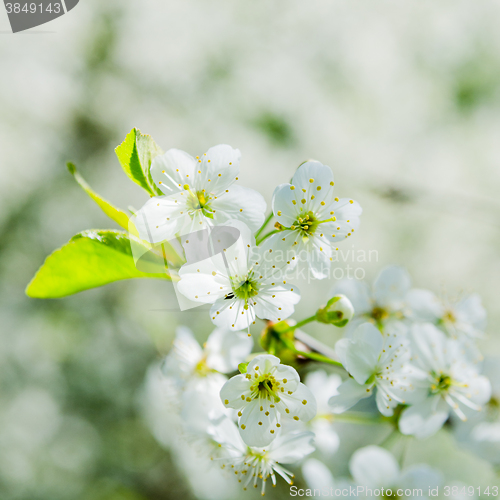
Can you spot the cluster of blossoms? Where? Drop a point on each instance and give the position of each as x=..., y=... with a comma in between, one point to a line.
x=410, y=352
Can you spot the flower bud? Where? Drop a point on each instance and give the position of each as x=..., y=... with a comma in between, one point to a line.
x=338, y=311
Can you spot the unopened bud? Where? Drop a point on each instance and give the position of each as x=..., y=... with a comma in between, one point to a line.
x=242, y=367
x=338, y=311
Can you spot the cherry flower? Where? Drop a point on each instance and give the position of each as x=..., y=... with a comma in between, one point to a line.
x=264, y=395
x=463, y=318
x=447, y=382
x=242, y=283
x=384, y=302
x=252, y=464
x=375, y=361
x=311, y=219
x=222, y=352
x=378, y=473
x=198, y=193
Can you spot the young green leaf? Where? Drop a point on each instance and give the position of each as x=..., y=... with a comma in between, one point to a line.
x=91, y=259
x=120, y=217
x=135, y=154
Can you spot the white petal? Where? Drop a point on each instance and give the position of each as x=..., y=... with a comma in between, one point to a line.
x=317, y=475
x=231, y=314
x=327, y=438
x=172, y=170
x=470, y=310
x=276, y=302
x=204, y=281
x=186, y=353
x=347, y=219
x=479, y=390
x=350, y=392
x=319, y=253
x=283, y=256
x=359, y=358
x=233, y=390
x=226, y=350
x=161, y=218
x=218, y=169
x=255, y=426
x=371, y=335
x=421, y=477
x=240, y=203
x=263, y=363
x=301, y=403
x=428, y=345
x=424, y=305
x=391, y=287
x=424, y=419
x=291, y=447
x=357, y=292
x=385, y=403
x=317, y=180
x=374, y=467
x=284, y=208
x=285, y=372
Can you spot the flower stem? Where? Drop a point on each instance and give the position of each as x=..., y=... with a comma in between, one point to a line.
x=300, y=323
x=266, y=222
x=359, y=418
x=311, y=355
x=389, y=440
x=258, y=242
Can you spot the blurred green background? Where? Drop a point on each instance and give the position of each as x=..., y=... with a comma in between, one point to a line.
x=401, y=99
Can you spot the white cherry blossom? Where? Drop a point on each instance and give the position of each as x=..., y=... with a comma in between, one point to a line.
x=447, y=382
x=243, y=283
x=375, y=361
x=197, y=193
x=313, y=222
x=384, y=302
x=376, y=470
x=462, y=318
x=252, y=464
x=267, y=393
x=222, y=352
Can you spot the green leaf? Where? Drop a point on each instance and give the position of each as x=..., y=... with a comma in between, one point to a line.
x=91, y=259
x=120, y=217
x=135, y=154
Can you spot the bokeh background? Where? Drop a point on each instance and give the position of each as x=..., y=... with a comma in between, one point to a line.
x=401, y=99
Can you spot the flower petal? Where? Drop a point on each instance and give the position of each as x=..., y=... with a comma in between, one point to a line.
x=161, y=218
x=357, y=292
x=349, y=393
x=235, y=391
x=317, y=180
x=231, y=314
x=285, y=206
x=240, y=203
x=172, y=170
x=276, y=302
x=424, y=305
x=424, y=419
x=301, y=403
x=373, y=467
x=217, y=169
x=226, y=350
x=347, y=214
x=317, y=475
x=256, y=426
x=391, y=287
x=291, y=447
